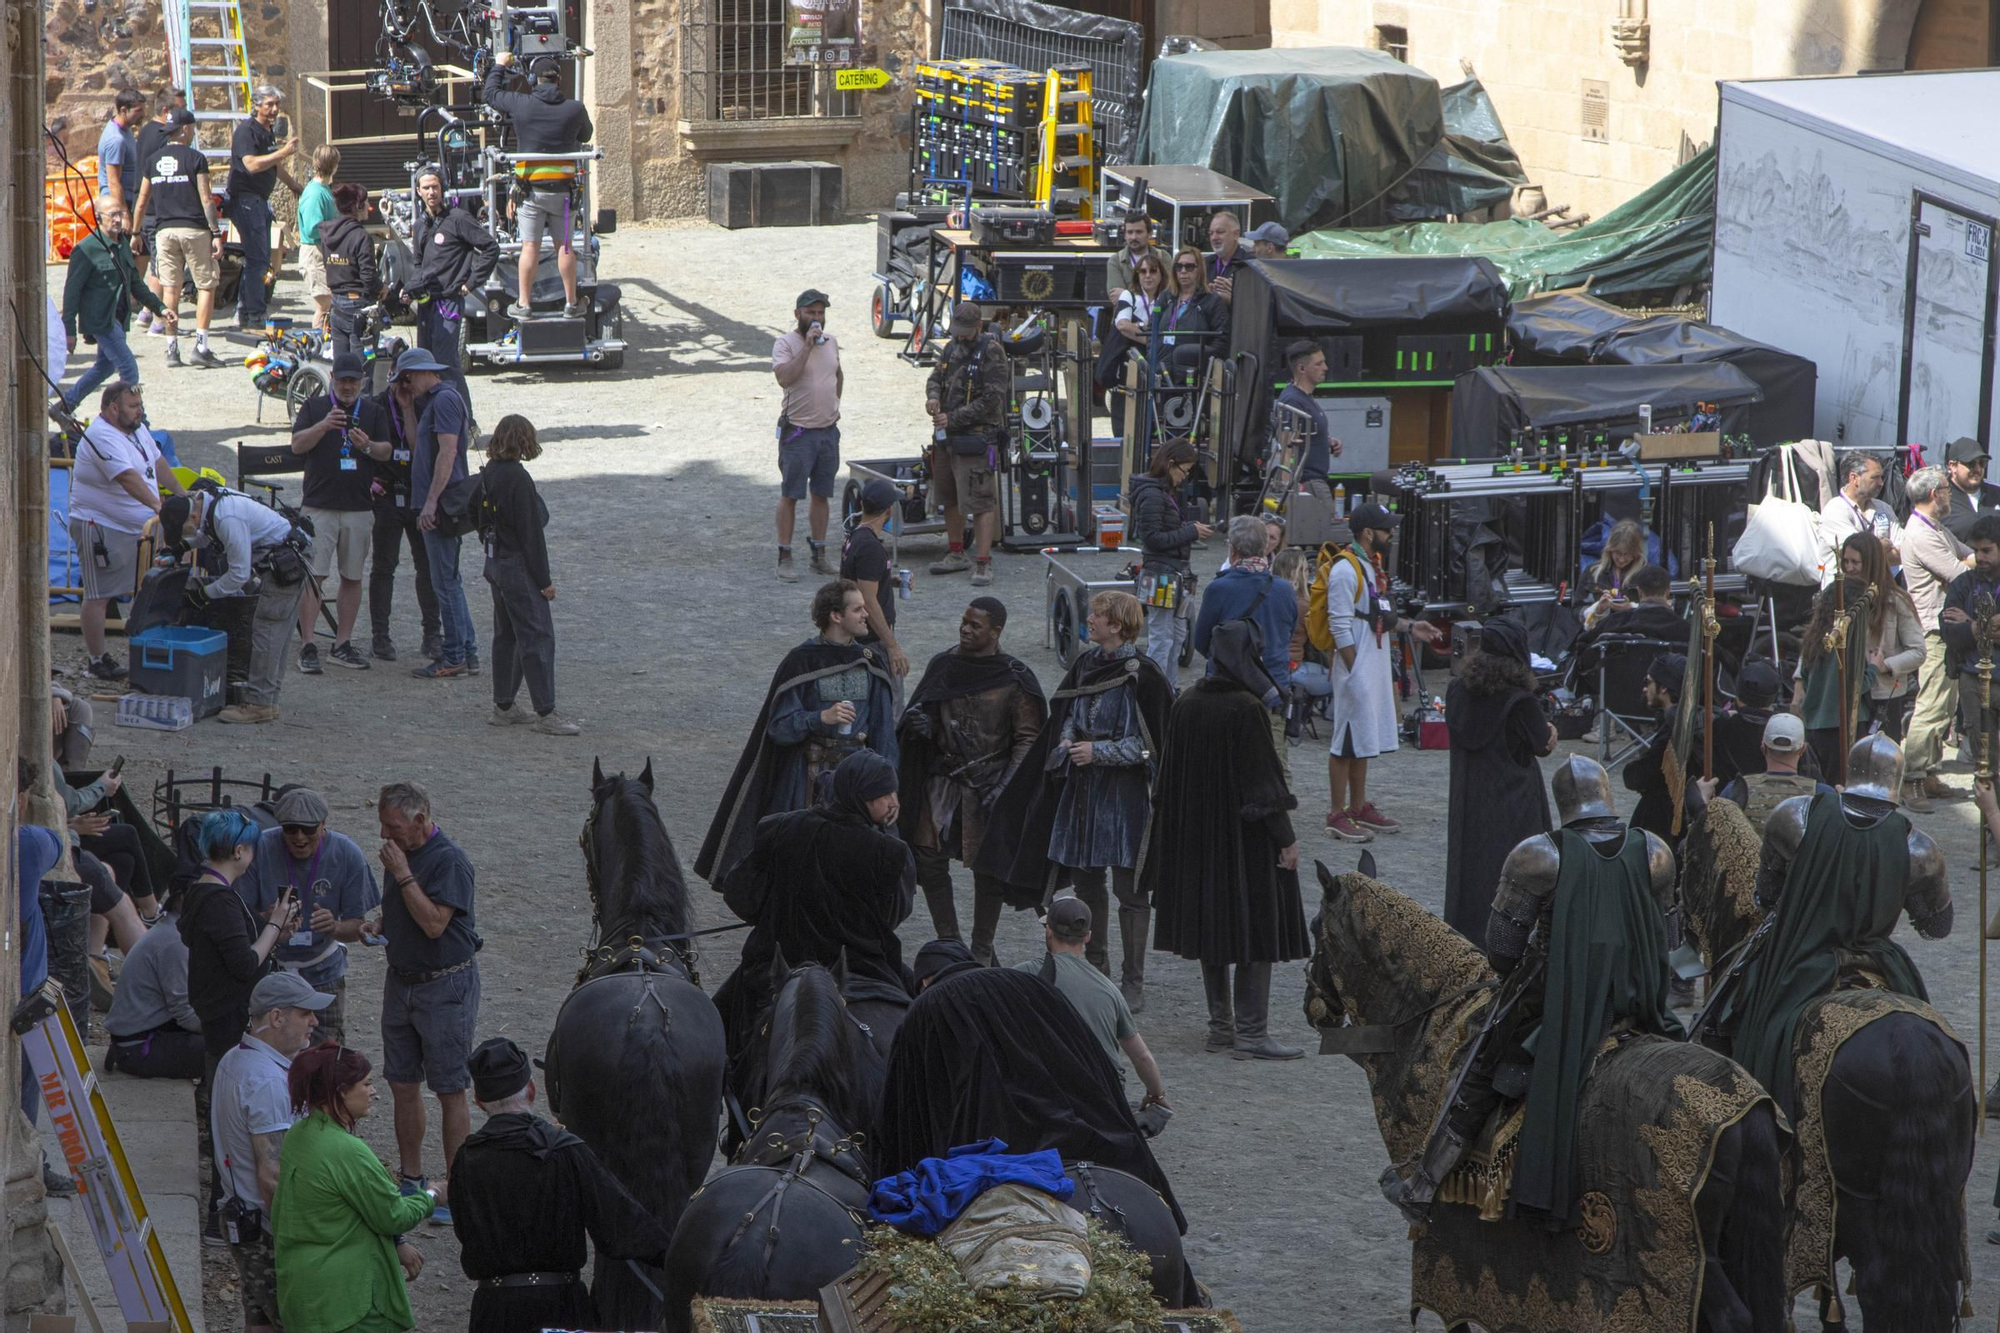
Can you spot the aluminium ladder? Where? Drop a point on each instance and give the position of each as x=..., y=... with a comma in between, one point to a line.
x=209, y=62
x=1066, y=165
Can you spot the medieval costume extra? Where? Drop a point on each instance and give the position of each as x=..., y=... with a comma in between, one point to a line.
x=1499, y=729
x=971, y=721
x=791, y=750
x=1080, y=824
x=524, y=1195
x=1221, y=897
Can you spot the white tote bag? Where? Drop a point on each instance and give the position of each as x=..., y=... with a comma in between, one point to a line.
x=1780, y=542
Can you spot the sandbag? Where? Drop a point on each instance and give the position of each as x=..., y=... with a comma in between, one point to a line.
x=1020, y=1244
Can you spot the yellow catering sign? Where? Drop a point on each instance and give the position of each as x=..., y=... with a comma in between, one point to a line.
x=860, y=80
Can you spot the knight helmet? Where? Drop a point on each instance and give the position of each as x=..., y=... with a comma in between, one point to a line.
x=1875, y=769
x=1583, y=791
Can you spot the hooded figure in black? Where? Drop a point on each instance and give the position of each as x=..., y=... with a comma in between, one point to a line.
x=524, y=1193
x=829, y=697
x=1498, y=730
x=974, y=716
x=821, y=886
x=1080, y=805
x=1225, y=860
x=994, y=1053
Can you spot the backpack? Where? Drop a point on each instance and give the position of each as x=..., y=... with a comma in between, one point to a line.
x=462, y=509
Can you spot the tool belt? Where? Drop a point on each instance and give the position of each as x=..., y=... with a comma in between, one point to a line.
x=419, y=978
x=533, y=1280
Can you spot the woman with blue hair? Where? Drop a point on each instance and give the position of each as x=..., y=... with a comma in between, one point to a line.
x=228, y=948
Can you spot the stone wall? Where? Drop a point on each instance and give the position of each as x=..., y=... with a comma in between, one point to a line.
x=1534, y=56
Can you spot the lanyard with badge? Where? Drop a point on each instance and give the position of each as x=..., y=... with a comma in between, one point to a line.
x=302, y=938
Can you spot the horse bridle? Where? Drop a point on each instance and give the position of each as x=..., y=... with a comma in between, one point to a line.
x=651, y=953
x=1352, y=1038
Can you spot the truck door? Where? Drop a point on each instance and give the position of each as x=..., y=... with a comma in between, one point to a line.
x=1948, y=326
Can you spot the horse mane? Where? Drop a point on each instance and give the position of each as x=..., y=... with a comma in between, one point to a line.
x=829, y=1057
x=636, y=861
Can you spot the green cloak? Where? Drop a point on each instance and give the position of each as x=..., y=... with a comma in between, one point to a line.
x=1607, y=962
x=1842, y=895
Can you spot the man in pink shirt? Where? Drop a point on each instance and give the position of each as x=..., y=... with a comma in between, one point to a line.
x=807, y=364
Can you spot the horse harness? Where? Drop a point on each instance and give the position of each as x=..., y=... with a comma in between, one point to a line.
x=646, y=954
x=793, y=1159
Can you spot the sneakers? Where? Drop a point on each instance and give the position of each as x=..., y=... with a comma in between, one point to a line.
x=383, y=649
x=106, y=667
x=156, y=327
x=174, y=353
x=1938, y=789
x=509, y=717
x=309, y=660
x=206, y=359
x=555, y=724
x=472, y=664
x=819, y=564
x=956, y=562
x=982, y=573
x=433, y=646
x=103, y=986
x=1340, y=824
x=1915, y=800
x=786, y=572
x=519, y=311
x=438, y=670
x=1368, y=817
x=344, y=654
x=575, y=310
x=248, y=713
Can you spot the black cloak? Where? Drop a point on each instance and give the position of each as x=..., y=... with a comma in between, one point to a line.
x=1497, y=794
x=1219, y=823
x=993, y=1053
x=949, y=675
x=760, y=775
x=1016, y=850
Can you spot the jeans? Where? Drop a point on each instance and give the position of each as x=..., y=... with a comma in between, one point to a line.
x=1166, y=631
x=252, y=217
x=392, y=526
x=454, y=616
x=524, y=636
x=440, y=328
x=342, y=318
x=114, y=361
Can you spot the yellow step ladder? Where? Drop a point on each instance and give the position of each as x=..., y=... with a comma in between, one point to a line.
x=209, y=61
x=1066, y=166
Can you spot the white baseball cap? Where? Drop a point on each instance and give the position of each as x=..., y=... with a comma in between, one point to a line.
x=1784, y=733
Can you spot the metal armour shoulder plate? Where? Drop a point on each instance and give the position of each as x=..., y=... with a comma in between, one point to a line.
x=1528, y=878
x=1785, y=830
x=1927, y=895
x=1660, y=866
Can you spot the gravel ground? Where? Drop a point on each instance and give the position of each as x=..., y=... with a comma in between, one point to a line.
x=660, y=481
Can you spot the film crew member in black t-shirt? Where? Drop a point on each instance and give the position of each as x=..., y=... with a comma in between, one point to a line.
x=255, y=164
x=865, y=559
x=342, y=434
x=182, y=228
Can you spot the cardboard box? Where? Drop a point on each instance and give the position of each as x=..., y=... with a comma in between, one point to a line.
x=1695, y=444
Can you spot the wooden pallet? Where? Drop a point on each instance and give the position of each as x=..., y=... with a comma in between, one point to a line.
x=855, y=1305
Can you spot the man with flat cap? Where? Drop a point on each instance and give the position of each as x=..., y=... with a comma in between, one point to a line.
x=336, y=890
x=524, y=1194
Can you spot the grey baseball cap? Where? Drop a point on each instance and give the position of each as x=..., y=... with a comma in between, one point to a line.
x=286, y=990
x=1268, y=231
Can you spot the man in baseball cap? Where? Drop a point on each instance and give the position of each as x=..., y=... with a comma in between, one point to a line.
x=1784, y=748
x=1267, y=240
x=343, y=433
x=1965, y=462
x=1363, y=702
x=806, y=362
x=865, y=559
x=1096, y=999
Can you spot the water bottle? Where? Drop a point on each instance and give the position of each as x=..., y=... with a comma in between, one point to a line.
x=1340, y=500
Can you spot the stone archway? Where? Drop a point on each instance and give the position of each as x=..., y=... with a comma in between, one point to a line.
x=1954, y=34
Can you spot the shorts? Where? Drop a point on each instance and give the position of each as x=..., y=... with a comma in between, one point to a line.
x=808, y=458
x=152, y=235
x=332, y=1019
x=104, y=891
x=964, y=482
x=187, y=252
x=118, y=578
x=257, y=1266
x=427, y=1029
x=312, y=267
x=348, y=533
x=544, y=213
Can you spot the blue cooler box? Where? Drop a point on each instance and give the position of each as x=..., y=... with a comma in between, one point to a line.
x=184, y=661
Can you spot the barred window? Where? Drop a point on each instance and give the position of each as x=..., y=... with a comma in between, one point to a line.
x=733, y=67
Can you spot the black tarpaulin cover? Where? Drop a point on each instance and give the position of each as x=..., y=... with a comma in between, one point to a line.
x=1329, y=132
x=1564, y=327
x=1489, y=404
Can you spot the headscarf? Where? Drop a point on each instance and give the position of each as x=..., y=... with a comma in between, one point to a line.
x=862, y=777
x=1505, y=638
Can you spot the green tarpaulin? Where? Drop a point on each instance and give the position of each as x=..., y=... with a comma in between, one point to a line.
x=1658, y=240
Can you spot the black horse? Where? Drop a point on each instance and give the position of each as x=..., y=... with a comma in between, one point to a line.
x=785, y=1217
x=1128, y=1207
x=635, y=1062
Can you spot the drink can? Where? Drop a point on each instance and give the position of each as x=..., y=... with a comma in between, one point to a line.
x=903, y=585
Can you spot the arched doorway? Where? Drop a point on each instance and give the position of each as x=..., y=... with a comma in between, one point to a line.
x=1955, y=34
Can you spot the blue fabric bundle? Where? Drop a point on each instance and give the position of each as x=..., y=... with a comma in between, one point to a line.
x=925, y=1201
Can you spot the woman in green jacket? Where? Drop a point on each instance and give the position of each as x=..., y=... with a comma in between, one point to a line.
x=336, y=1215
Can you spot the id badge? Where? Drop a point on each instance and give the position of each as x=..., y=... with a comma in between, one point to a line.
x=350, y=465
x=399, y=455
x=301, y=939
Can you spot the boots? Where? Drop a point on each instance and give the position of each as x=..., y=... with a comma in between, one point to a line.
x=1134, y=924
x=1221, y=1020
x=944, y=910
x=986, y=905
x=1253, y=1011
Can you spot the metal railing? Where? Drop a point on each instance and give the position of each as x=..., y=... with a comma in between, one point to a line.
x=733, y=67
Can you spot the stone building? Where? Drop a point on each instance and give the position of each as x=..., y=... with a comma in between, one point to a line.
x=1603, y=97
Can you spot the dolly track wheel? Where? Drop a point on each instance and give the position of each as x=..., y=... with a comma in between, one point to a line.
x=1062, y=621
x=882, y=312
x=1035, y=522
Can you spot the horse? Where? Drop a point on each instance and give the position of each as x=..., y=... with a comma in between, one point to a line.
x=785, y=1217
x=1128, y=1207
x=1678, y=1162
x=636, y=1057
x=1885, y=1118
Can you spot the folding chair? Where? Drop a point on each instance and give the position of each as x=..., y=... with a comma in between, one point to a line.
x=266, y=460
x=1622, y=662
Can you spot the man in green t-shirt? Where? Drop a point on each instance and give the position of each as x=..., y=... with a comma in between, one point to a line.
x=1094, y=996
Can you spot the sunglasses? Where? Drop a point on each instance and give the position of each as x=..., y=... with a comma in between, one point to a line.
x=1189, y=267
x=300, y=829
